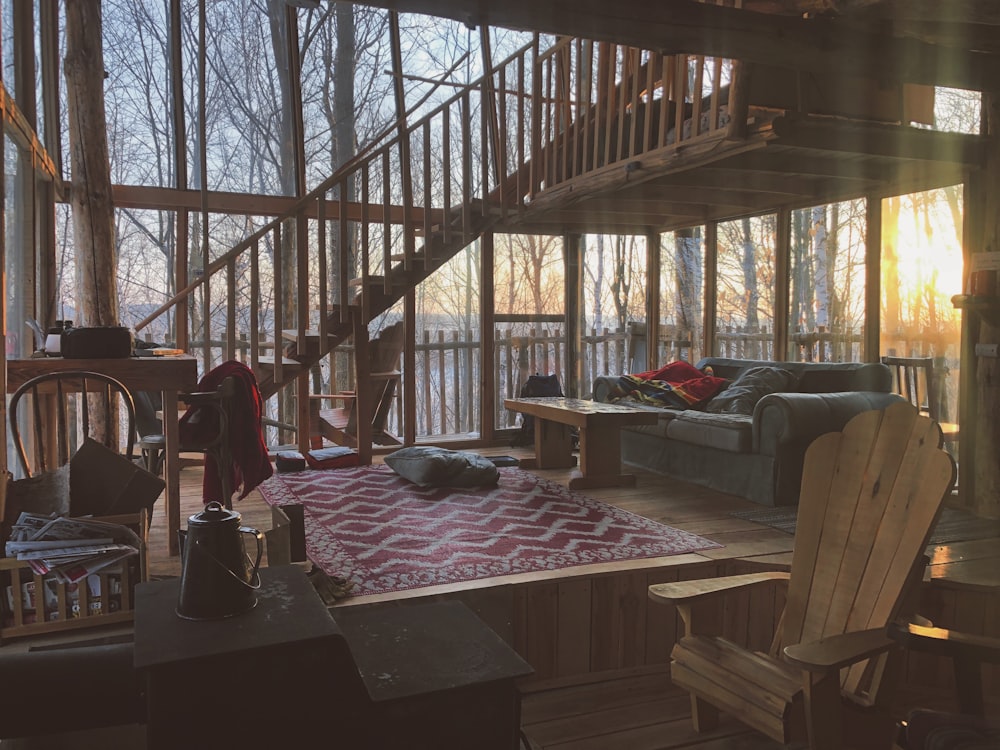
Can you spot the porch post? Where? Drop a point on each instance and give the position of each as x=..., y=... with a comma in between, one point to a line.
x=652, y=299
x=573, y=284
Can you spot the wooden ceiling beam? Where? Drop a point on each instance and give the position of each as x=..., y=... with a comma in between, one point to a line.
x=171, y=199
x=816, y=44
x=741, y=190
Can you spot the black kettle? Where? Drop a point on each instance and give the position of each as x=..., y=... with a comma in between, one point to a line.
x=217, y=577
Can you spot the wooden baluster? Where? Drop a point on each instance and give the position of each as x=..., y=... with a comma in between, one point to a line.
x=446, y=174
x=365, y=254
x=696, y=95
x=427, y=384
x=466, y=167
x=277, y=295
x=321, y=268
x=255, y=296
x=386, y=239
x=455, y=383
x=231, y=309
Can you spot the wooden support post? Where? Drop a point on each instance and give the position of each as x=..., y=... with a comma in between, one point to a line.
x=739, y=100
x=363, y=403
x=573, y=291
x=652, y=299
x=783, y=256
x=488, y=354
x=873, y=276
x=711, y=281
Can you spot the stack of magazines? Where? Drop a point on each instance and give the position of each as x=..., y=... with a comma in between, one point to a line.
x=69, y=549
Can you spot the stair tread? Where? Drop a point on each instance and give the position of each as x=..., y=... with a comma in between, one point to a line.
x=285, y=361
x=311, y=333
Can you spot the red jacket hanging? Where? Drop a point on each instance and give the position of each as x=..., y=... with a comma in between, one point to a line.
x=250, y=465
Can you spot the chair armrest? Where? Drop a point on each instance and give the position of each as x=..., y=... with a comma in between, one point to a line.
x=689, y=592
x=684, y=595
x=946, y=642
x=829, y=654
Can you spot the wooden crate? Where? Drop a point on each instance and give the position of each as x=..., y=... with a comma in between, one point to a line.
x=18, y=620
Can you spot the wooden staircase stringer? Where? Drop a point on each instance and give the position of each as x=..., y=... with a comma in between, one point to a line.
x=376, y=300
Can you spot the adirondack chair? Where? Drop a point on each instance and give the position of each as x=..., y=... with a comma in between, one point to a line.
x=340, y=425
x=870, y=498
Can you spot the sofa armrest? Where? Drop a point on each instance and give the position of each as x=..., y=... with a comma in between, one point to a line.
x=781, y=420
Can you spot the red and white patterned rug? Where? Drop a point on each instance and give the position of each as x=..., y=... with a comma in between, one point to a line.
x=384, y=533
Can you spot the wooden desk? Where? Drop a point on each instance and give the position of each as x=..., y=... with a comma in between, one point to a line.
x=169, y=375
x=600, y=439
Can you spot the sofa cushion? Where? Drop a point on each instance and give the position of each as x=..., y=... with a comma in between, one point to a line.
x=750, y=387
x=666, y=414
x=728, y=432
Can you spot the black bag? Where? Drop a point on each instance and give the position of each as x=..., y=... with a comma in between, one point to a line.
x=535, y=386
x=98, y=342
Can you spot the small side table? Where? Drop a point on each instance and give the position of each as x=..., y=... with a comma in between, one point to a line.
x=437, y=676
x=280, y=675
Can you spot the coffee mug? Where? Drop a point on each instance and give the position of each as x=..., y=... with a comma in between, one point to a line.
x=984, y=283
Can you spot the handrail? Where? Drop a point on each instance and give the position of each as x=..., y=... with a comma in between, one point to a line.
x=347, y=169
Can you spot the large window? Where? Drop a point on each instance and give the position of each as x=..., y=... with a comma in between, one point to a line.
x=827, y=283
x=921, y=270
x=745, y=294
x=449, y=373
x=530, y=309
x=682, y=291
x=614, y=305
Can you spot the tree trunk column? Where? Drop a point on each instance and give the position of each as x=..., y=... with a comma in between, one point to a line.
x=93, y=210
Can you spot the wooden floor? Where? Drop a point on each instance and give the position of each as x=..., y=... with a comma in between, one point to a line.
x=639, y=709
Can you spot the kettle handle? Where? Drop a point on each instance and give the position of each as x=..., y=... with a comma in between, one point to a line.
x=259, y=536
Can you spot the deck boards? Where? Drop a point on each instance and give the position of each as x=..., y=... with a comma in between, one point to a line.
x=581, y=622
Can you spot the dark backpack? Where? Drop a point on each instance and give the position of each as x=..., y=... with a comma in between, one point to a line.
x=535, y=386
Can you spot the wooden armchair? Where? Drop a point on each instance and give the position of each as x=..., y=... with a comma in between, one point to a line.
x=916, y=379
x=870, y=498
x=340, y=425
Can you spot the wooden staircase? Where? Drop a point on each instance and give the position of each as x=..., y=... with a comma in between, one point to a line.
x=536, y=122
x=372, y=295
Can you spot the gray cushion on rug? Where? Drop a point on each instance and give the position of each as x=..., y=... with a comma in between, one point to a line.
x=749, y=388
x=430, y=466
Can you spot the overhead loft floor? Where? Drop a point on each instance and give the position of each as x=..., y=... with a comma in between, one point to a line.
x=785, y=161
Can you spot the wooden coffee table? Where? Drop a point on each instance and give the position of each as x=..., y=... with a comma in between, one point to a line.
x=600, y=439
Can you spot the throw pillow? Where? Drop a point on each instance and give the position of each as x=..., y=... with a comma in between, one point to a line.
x=335, y=457
x=429, y=466
x=750, y=387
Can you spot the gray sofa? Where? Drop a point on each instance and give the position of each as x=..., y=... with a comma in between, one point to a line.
x=756, y=456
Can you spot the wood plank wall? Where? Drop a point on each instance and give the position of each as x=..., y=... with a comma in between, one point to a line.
x=576, y=628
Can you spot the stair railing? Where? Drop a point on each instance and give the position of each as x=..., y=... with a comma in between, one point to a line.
x=539, y=119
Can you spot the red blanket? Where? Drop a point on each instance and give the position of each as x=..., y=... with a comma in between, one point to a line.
x=677, y=384
x=251, y=464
